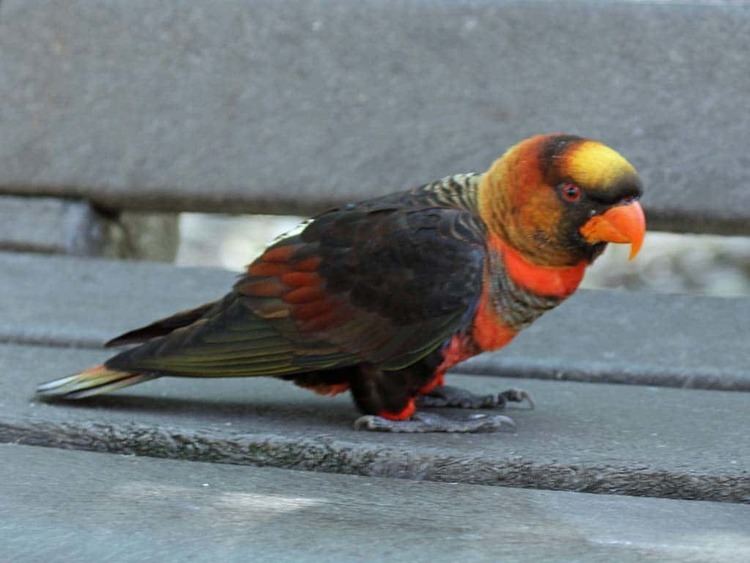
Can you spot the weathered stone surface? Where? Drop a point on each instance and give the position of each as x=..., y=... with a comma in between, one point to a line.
x=599, y=438
x=95, y=507
x=146, y=236
x=611, y=336
x=62, y=226
x=52, y=225
x=289, y=106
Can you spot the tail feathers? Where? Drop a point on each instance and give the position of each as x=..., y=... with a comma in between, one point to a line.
x=93, y=381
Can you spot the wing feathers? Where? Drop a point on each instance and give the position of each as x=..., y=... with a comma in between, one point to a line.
x=379, y=283
x=161, y=327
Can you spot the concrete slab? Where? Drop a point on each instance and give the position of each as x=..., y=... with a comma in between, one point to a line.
x=52, y=225
x=608, y=336
x=291, y=106
x=59, y=505
x=614, y=439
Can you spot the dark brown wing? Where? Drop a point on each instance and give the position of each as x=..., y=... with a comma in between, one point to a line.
x=161, y=327
x=380, y=282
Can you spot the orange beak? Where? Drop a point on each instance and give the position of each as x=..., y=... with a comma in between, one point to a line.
x=621, y=224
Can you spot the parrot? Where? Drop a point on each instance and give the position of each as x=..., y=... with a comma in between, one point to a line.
x=382, y=297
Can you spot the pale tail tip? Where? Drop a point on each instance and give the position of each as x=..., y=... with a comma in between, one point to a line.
x=53, y=388
x=93, y=381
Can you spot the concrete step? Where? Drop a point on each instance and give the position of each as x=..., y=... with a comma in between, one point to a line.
x=53, y=225
x=602, y=438
x=602, y=336
x=80, y=506
x=291, y=106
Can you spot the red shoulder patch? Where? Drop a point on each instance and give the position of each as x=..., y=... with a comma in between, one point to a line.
x=298, y=288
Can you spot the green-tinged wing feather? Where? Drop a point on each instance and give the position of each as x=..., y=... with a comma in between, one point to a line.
x=232, y=342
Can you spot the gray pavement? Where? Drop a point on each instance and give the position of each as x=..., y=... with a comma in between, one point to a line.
x=680, y=341
x=290, y=106
x=101, y=507
x=615, y=439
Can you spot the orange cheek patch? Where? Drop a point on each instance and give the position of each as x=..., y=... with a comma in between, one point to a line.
x=542, y=213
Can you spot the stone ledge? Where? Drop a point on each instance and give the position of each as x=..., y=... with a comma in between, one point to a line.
x=598, y=438
x=62, y=226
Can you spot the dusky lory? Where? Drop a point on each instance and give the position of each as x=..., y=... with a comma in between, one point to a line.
x=381, y=297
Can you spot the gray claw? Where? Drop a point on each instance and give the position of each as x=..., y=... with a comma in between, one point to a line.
x=430, y=422
x=369, y=422
x=516, y=396
x=449, y=396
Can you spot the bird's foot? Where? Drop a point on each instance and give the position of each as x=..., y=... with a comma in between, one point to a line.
x=515, y=395
x=447, y=396
x=430, y=422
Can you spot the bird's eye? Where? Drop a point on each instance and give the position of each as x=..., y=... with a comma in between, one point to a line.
x=569, y=191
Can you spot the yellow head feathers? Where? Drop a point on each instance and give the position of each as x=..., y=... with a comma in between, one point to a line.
x=594, y=165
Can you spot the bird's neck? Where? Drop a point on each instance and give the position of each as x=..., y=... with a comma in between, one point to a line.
x=515, y=293
x=468, y=191
x=459, y=191
x=545, y=281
